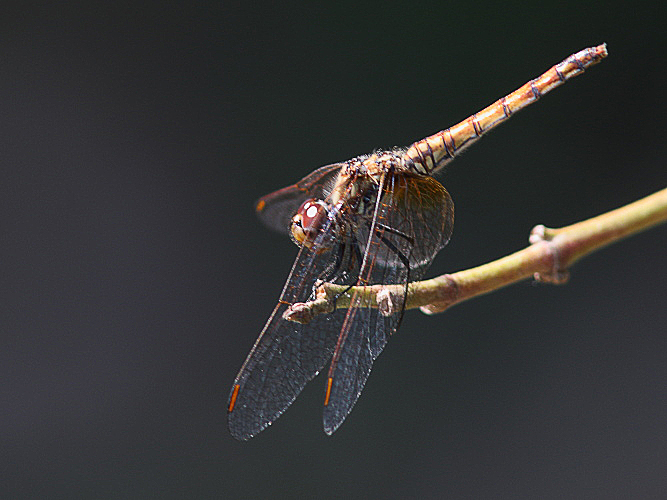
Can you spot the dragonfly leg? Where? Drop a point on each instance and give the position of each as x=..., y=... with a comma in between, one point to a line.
x=357, y=254
x=391, y=230
x=406, y=263
x=333, y=267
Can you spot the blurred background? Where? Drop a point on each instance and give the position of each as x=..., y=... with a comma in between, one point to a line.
x=136, y=278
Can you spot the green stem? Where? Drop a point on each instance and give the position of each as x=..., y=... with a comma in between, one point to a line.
x=548, y=258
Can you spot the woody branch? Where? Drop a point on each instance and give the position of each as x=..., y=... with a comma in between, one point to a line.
x=548, y=258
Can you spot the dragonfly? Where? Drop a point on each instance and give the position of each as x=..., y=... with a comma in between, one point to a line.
x=377, y=219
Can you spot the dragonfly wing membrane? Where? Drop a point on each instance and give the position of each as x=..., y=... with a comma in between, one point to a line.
x=287, y=354
x=412, y=222
x=276, y=209
x=283, y=361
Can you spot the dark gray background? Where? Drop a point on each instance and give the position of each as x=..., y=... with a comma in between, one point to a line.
x=135, y=277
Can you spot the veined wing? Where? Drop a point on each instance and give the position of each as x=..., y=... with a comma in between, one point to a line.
x=413, y=220
x=287, y=355
x=277, y=209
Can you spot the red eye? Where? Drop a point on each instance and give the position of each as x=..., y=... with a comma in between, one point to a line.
x=308, y=221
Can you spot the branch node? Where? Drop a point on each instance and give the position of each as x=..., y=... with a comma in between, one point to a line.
x=449, y=293
x=553, y=278
x=542, y=233
x=537, y=234
x=557, y=275
x=388, y=302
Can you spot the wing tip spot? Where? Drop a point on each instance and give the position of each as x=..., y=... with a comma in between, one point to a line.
x=232, y=400
x=328, y=394
x=260, y=205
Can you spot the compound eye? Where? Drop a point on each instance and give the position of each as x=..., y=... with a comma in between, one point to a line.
x=308, y=221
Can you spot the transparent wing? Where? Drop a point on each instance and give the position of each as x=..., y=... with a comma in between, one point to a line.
x=287, y=354
x=277, y=209
x=412, y=222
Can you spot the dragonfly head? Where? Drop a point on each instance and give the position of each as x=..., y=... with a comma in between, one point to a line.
x=308, y=222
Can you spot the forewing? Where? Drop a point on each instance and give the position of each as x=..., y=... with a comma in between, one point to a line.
x=277, y=209
x=287, y=354
x=285, y=358
x=412, y=223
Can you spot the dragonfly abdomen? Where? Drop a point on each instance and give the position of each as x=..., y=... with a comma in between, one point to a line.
x=432, y=153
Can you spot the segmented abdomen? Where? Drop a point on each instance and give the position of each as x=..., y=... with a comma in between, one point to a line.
x=432, y=153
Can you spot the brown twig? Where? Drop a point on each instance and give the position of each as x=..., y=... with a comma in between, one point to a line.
x=548, y=258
